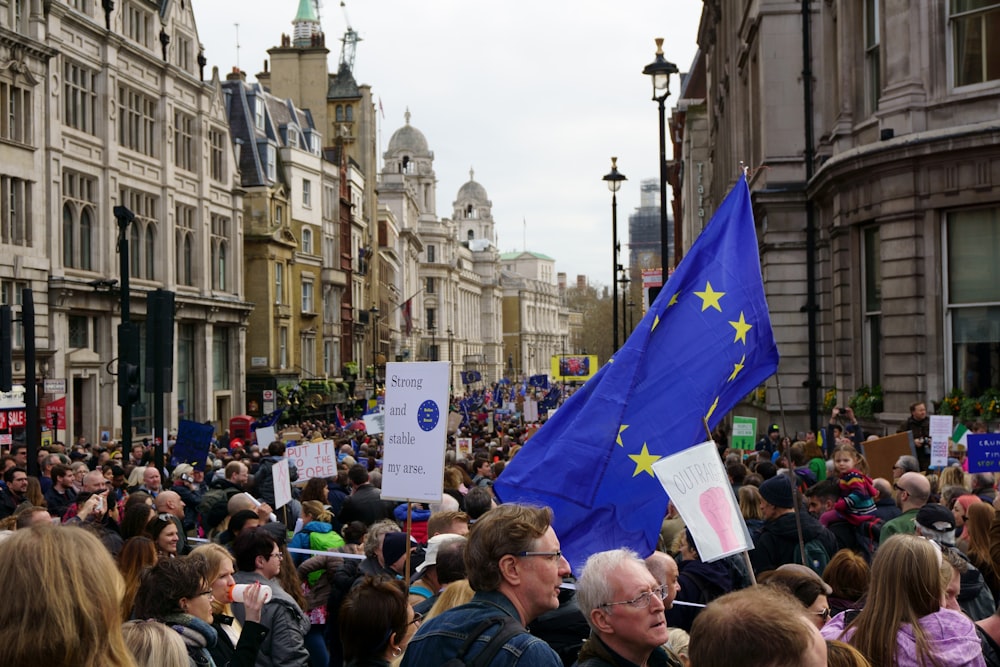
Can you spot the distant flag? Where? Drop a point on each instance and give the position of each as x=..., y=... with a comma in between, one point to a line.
x=380, y=109
x=408, y=316
x=267, y=420
x=539, y=381
x=468, y=377
x=705, y=343
x=961, y=435
x=341, y=422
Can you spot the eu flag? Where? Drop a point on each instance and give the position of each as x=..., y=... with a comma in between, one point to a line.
x=705, y=343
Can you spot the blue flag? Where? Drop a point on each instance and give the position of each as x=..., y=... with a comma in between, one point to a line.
x=705, y=343
x=267, y=420
x=468, y=377
x=193, y=442
x=539, y=381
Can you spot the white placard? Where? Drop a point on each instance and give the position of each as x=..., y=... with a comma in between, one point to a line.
x=265, y=436
x=374, y=424
x=696, y=482
x=530, y=410
x=282, y=483
x=416, y=430
x=314, y=459
x=941, y=430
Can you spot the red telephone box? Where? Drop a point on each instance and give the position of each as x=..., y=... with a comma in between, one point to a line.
x=239, y=427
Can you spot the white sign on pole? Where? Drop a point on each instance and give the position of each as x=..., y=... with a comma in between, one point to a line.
x=530, y=410
x=696, y=482
x=265, y=436
x=314, y=459
x=940, y=432
x=282, y=483
x=375, y=423
x=416, y=430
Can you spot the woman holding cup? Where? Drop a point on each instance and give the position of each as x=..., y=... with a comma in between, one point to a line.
x=238, y=644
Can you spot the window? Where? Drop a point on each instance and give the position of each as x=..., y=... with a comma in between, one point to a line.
x=307, y=193
x=976, y=35
x=79, y=331
x=80, y=5
x=329, y=202
x=431, y=319
x=283, y=347
x=279, y=214
x=271, y=156
x=184, y=157
x=188, y=384
x=79, y=216
x=471, y=236
x=183, y=53
x=15, y=207
x=872, y=299
x=138, y=25
x=185, y=216
x=973, y=299
x=430, y=286
x=340, y=113
x=873, y=63
x=307, y=297
x=328, y=366
x=79, y=97
x=430, y=254
x=217, y=165
x=220, y=252
x=136, y=121
x=11, y=293
x=220, y=359
x=308, y=354
x=279, y=282
x=15, y=113
x=307, y=241
x=258, y=113
x=142, y=232
x=292, y=137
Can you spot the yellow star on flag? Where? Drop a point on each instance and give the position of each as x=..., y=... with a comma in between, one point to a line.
x=644, y=461
x=710, y=298
x=741, y=329
x=715, y=404
x=673, y=299
x=619, y=438
x=656, y=320
x=737, y=367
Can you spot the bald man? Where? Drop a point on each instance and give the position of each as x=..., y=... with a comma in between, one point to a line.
x=912, y=492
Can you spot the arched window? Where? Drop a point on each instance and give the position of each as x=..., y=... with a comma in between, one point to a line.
x=340, y=112
x=222, y=265
x=86, y=227
x=471, y=235
x=67, y=232
x=133, y=242
x=350, y=113
x=405, y=168
x=150, y=252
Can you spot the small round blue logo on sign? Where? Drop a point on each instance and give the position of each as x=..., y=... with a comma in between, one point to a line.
x=428, y=415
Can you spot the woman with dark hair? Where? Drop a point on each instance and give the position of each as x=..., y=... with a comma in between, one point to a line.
x=163, y=531
x=138, y=554
x=177, y=592
x=376, y=622
x=135, y=519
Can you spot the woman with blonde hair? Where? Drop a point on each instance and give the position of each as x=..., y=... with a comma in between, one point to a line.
x=456, y=594
x=903, y=623
x=955, y=476
x=62, y=600
x=238, y=644
x=154, y=644
x=848, y=575
x=749, y=498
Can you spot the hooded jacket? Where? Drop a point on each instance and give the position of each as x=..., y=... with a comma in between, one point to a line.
x=951, y=639
x=778, y=542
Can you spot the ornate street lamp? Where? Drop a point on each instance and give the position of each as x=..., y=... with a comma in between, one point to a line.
x=659, y=71
x=614, y=180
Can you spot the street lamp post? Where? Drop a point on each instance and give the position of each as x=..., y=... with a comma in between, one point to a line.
x=614, y=179
x=373, y=316
x=451, y=358
x=631, y=315
x=659, y=71
x=624, y=280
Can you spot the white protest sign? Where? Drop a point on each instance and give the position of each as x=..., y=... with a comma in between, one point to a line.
x=375, y=423
x=314, y=459
x=940, y=432
x=282, y=483
x=530, y=410
x=696, y=482
x=463, y=446
x=416, y=430
x=265, y=436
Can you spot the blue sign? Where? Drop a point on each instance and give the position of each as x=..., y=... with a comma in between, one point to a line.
x=984, y=452
x=428, y=415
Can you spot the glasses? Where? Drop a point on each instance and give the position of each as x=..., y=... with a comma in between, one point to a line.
x=551, y=555
x=822, y=613
x=418, y=618
x=642, y=601
x=277, y=554
x=899, y=488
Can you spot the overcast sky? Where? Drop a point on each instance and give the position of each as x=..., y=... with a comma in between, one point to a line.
x=535, y=96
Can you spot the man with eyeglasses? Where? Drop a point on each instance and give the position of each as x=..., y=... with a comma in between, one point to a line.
x=912, y=492
x=624, y=606
x=259, y=559
x=515, y=567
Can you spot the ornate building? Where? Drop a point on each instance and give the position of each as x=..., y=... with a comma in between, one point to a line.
x=104, y=107
x=536, y=325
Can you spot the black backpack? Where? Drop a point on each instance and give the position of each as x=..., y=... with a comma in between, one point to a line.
x=509, y=627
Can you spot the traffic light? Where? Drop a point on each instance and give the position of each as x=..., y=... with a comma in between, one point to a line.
x=6, y=360
x=129, y=384
x=54, y=419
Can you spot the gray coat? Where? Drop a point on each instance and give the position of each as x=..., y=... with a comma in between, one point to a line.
x=284, y=645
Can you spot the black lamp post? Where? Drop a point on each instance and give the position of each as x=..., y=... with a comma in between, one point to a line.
x=373, y=316
x=631, y=315
x=614, y=179
x=624, y=280
x=660, y=70
x=451, y=358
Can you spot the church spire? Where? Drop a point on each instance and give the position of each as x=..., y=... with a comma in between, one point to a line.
x=306, y=24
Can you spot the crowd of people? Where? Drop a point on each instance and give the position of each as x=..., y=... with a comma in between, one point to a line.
x=192, y=565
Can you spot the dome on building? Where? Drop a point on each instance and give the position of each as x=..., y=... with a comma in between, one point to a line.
x=408, y=138
x=472, y=190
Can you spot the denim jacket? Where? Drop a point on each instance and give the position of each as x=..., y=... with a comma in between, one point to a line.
x=440, y=638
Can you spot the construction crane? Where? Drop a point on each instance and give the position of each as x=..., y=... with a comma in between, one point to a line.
x=350, y=42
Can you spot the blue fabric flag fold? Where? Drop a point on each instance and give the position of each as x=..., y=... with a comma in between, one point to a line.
x=267, y=420
x=705, y=344
x=539, y=381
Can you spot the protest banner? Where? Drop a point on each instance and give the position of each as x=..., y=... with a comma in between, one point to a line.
x=374, y=423
x=882, y=453
x=463, y=446
x=265, y=436
x=417, y=423
x=314, y=459
x=744, y=433
x=940, y=431
x=282, y=483
x=983, y=452
x=193, y=442
x=696, y=482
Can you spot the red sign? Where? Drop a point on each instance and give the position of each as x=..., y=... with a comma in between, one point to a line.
x=57, y=408
x=13, y=419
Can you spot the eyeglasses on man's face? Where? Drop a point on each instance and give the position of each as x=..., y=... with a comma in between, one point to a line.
x=549, y=555
x=642, y=601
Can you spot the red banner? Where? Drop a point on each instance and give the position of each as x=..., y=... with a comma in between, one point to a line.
x=13, y=419
x=58, y=408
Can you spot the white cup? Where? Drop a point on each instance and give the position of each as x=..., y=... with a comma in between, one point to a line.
x=236, y=592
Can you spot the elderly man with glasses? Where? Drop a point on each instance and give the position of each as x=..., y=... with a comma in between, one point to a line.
x=624, y=605
x=259, y=559
x=515, y=567
x=912, y=492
